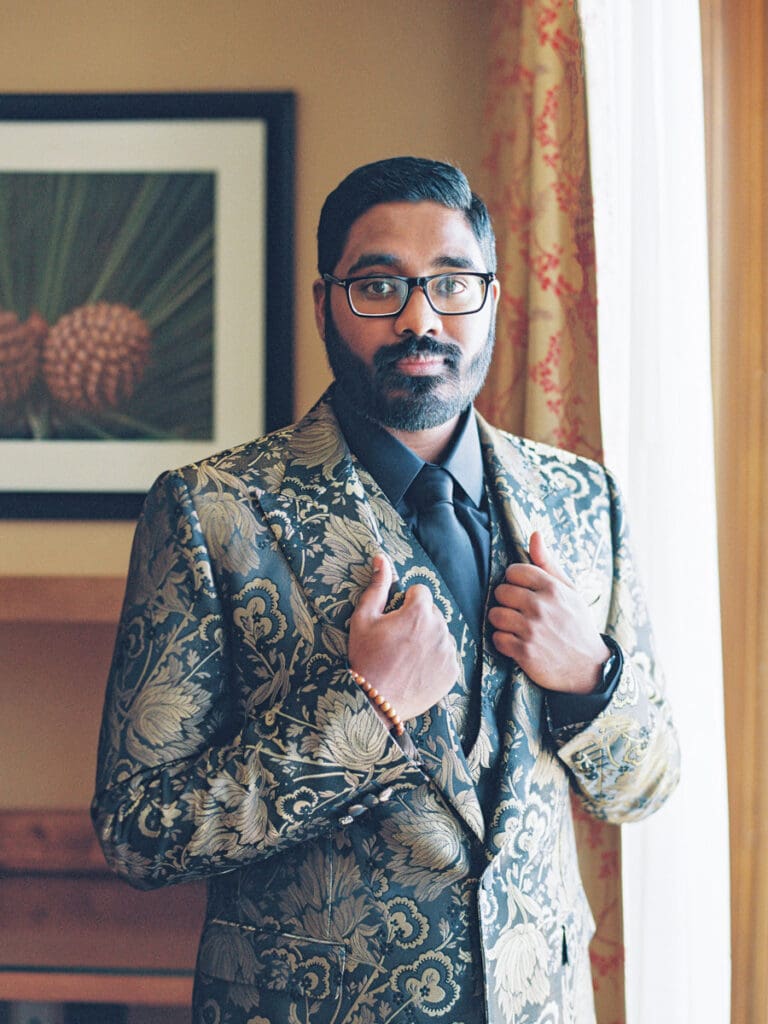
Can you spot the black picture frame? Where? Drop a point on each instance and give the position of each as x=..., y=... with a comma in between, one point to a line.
x=266, y=121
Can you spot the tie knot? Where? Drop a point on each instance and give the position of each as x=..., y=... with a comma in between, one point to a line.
x=432, y=486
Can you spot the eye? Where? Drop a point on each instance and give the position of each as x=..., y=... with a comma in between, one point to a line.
x=376, y=287
x=451, y=285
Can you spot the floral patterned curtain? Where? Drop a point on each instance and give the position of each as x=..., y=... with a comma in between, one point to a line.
x=544, y=381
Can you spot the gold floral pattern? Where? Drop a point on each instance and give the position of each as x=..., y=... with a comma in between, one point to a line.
x=352, y=879
x=427, y=984
x=521, y=954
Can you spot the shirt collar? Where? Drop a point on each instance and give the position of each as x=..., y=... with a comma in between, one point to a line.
x=394, y=466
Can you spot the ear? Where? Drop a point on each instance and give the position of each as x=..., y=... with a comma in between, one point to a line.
x=495, y=290
x=319, y=294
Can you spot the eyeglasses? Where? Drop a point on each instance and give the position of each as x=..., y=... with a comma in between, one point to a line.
x=453, y=294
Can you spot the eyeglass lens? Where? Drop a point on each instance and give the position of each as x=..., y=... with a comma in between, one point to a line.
x=448, y=293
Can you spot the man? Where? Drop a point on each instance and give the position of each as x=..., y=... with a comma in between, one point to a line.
x=354, y=696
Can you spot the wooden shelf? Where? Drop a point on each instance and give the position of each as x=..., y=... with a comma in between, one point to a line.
x=85, y=986
x=73, y=599
x=49, y=843
x=73, y=931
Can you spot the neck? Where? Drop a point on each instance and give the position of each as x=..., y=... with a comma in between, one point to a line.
x=430, y=444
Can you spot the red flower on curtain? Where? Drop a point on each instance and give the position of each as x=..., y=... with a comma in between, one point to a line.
x=544, y=378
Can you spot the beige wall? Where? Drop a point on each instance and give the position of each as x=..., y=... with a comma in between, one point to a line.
x=371, y=79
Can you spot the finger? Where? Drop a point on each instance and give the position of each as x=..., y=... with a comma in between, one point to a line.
x=525, y=576
x=507, y=620
x=373, y=599
x=516, y=595
x=508, y=644
x=418, y=594
x=541, y=556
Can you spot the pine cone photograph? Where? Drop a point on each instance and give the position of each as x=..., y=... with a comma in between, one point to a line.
x=95, y=356
x=106, y=306
x=19, y=356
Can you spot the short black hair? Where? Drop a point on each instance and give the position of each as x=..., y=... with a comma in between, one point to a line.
x=399, y=179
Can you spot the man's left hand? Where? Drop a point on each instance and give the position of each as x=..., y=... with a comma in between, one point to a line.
x=543, y=622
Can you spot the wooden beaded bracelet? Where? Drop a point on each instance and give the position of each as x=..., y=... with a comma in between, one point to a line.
x=381, y=702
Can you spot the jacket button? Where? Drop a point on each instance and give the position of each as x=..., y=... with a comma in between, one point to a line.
x=385, y=794
x=356, y=810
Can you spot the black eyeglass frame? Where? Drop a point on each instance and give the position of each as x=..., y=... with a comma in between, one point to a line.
x=412, y=282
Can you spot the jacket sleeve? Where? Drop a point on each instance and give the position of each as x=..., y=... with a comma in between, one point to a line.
x=196, y=774
x=626, y=761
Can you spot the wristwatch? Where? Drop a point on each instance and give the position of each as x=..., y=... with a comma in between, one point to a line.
x=612, y=666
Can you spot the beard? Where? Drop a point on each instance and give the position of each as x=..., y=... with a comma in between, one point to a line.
x=397, y=400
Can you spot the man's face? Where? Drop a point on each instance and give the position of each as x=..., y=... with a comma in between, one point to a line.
x=418, y=369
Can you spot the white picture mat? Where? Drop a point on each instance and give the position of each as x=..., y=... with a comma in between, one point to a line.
x=235, y=151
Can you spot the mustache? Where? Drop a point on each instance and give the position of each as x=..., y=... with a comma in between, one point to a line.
x=387, y=356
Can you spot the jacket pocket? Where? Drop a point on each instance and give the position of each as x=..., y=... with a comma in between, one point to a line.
x=295, y=966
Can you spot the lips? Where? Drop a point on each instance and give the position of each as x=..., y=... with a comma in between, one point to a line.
x=421, y=364
x=418, y=355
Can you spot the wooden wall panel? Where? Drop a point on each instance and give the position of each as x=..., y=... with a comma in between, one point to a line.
x=736, y=88
x=72, y=930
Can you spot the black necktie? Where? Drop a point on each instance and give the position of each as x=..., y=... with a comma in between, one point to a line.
x=446, y=541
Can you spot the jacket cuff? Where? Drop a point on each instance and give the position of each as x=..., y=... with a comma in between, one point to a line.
x=568, y=714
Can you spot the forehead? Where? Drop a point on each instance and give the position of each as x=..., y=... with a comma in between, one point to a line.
x=411, y=237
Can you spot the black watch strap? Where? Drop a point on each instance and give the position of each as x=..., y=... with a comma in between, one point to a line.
x=613, y=666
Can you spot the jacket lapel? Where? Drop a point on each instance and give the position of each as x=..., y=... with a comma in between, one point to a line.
x=527, y=501
x=330, y=517
x=519, y=487
x=533, y=497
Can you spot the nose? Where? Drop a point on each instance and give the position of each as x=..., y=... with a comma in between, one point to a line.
x=417, y=316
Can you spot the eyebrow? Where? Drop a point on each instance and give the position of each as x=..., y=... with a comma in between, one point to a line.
x=387, y=259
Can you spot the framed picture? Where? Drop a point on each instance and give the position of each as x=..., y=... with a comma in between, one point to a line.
x=146, y=290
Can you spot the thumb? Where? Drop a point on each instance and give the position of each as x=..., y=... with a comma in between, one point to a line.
x=542, y=557
x=373, y=599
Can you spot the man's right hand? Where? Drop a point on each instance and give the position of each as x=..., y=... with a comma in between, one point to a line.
x=407, y=654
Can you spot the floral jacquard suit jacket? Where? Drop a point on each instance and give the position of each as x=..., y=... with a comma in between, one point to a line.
x=354, y=879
